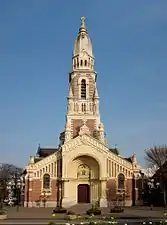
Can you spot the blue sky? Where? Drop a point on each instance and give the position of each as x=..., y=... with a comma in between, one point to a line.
x=36, y=44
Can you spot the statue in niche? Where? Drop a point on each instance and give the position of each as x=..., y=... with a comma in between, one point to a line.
x=84, y=129
x=83, y=171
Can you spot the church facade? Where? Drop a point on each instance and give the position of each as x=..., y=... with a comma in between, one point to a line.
x=82, y=169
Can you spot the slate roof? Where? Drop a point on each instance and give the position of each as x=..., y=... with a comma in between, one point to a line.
x=44, y=152
x=114, y=150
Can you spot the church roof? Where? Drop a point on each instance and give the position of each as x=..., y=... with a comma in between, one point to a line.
x=44, y=152
x=129, y=159
x=114, y=150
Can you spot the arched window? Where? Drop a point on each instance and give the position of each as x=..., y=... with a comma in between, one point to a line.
x=121, y=181
x=81, y=62
x=46, y=181
x=83, y=89
x=85, y=62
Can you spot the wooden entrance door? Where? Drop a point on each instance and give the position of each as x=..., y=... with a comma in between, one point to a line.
x=83, y=193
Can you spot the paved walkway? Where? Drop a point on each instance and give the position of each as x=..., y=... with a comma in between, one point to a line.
x=46, y=213
x=131, y=216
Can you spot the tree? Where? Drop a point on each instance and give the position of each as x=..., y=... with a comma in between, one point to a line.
x=7, y=172
x=157, y=157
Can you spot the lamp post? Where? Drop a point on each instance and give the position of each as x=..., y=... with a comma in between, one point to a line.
x=152, y=186
x=59, y=193
x=142, y=187
x=44, y=198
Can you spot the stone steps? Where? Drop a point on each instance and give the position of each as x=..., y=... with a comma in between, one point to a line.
x=80, y=208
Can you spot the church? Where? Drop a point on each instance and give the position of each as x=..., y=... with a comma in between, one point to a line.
x=83, y=168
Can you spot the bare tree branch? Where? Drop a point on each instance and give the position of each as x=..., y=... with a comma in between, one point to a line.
x=156, y=156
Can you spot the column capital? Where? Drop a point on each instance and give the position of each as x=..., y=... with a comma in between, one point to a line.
x=103, y=179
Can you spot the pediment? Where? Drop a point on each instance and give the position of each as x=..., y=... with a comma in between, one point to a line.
x=99, y=149
x=84, y=140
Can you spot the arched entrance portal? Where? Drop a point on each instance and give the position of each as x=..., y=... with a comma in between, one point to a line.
x=86, y=172
x=82, y=183
x=83, y=193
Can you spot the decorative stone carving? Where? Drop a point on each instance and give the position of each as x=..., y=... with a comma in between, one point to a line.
x=83, y=171
x=84, y=129
x=134, y=158
x=101, y=133
x=31, y=159
x=68, y=132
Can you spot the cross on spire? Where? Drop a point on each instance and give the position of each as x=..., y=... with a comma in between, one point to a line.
x=83, y=21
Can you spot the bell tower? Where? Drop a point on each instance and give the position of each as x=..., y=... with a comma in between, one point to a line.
x=83, y=116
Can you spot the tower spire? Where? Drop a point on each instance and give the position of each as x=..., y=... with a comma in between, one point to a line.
x=83, y=54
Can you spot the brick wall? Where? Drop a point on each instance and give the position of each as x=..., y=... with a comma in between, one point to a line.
x=112, y=192
x=77, y=123
x=129, y=189
x=35, y=188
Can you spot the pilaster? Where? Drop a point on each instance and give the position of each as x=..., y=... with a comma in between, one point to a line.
x=103, y=196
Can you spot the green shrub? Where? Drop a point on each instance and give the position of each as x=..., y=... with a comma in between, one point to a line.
x=94, y=211
x=117, y=209
x=2, y=212
x=51, y=223
x=59, y=210
x=70, y=213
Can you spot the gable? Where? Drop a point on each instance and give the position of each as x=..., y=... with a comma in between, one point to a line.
x=98, y=147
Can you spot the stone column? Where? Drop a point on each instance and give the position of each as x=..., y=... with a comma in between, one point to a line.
x=28, y=190
x=65, y=189
x=135, y=190
x=66, y=201
x=103, y=196
x=30, y=200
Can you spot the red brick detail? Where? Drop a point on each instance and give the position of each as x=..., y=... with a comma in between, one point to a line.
x=77, y=123
x=91, y=124
x=129, y=189
x=35, y=188
x=111, y=190
x=54, y=190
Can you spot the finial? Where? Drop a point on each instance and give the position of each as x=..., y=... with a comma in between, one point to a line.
x=84, y=121
x=82, y=21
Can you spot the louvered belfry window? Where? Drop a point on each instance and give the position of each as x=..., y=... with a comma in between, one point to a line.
x=83, y=89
